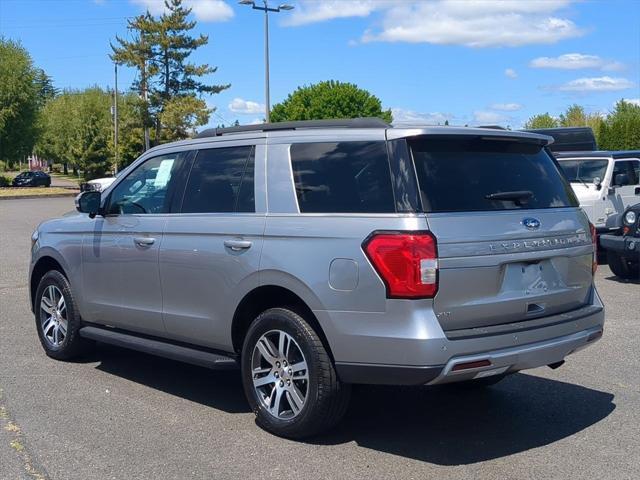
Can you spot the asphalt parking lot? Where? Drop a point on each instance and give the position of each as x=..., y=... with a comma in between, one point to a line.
x=123, y=415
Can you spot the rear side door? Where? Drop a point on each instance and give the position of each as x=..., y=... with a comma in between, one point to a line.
x=512, y=244
x=120, y=257
x=628, y=194
x=211, y=250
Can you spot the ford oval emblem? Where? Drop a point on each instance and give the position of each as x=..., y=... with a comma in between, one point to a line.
x=531, y=223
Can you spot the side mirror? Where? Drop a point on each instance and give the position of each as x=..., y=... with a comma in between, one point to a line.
x=88, y=202
x=597, y=181
x=621, y=180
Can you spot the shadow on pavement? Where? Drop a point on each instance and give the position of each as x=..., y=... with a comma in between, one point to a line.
x=447, y=426
x=440, y=425
x=220, y=389
x=632, y=281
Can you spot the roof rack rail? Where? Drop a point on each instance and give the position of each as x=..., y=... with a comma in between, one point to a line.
x=365, y=122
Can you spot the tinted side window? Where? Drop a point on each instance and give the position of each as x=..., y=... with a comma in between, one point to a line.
x=148, y=188
x=221, y=180
x=346, y=177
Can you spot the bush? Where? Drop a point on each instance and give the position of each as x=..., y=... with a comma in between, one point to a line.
x=5, y=181
x=3, y=166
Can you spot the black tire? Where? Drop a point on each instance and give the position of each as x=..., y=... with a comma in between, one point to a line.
x=72, y=345
x=327, y=398
x=621, y=267
x=478, y=383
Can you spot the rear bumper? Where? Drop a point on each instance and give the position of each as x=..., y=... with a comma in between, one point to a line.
x=463, y=367
x=624, y=245
x=407, y=346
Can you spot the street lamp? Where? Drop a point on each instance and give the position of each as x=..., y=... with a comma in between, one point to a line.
x=266, y=9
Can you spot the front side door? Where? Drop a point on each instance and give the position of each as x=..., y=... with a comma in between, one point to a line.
x=628, y=193
x=210, y=252
x=120, y=256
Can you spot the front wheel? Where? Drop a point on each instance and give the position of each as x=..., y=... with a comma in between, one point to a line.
x=289, y=378
x=621, y=267
x=57, y=318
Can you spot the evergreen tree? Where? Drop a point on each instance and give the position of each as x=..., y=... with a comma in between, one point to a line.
x=139, y=53
x=179, y=78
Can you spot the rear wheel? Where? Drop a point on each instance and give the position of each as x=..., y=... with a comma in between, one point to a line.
x=289, y=378
x=57, y=319
x=621, y=267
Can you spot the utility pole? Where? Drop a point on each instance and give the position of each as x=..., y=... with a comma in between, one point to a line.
x=115, y=120
x=266, y=9
x=267, y=97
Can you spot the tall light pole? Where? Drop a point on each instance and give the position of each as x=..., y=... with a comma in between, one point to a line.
x=115, y=120
x=266, y=9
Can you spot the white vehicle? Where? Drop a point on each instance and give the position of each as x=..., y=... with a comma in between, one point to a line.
x=97, y=184
x=606, y=183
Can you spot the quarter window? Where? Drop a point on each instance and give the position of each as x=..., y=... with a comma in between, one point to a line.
x=345, y=177
x=221, y=180
x=147, y=189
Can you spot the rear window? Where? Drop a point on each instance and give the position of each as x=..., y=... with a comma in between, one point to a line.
x=479, y=174
x=344, y=177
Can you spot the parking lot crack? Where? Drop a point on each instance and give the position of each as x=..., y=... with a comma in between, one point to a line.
x=12, y=433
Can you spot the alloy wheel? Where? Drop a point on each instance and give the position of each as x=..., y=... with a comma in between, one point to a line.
x=53, y=316
x=280, y=374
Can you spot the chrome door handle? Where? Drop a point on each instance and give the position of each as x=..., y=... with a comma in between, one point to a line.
x=144, y=241
x=237, y=245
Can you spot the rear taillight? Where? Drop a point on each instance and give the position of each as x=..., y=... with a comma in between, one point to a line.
x=406, y=262
x=594, y=241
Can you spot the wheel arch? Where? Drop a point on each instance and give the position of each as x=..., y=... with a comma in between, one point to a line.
x=263, y=298
x=43, y=265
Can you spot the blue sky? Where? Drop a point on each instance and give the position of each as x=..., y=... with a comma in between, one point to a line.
x=475, y=62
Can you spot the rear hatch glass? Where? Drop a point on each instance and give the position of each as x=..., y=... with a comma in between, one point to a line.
x=478, y=174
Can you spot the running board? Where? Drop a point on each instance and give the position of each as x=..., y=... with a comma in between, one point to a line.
x=160, y=348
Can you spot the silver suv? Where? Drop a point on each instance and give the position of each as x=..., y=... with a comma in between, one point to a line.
x=316, y=255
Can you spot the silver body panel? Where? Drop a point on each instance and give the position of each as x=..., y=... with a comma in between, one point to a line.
x=187, y=285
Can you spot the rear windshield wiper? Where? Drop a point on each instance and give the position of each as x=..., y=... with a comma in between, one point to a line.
x=519, y=197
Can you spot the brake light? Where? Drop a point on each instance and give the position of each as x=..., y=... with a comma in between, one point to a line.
x=406, y=262
x=594, y=241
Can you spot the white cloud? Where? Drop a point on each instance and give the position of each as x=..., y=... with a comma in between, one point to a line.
x=246, y=107
x=483, y=117
x=596, y=84
x=307, y=12
x=409, y=117
x=575, y=61
x=203, y=10
x=481, y=23
x=511, y=73
x=506, y=107
x=635, y=101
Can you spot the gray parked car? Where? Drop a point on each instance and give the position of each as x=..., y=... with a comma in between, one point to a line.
x=316, y=255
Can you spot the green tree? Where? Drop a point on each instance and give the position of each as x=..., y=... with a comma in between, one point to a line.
x=19, y=102
x=77, y=131
x=179, y=81
x=543, y=120
x=329, y=99
x=575, y=116
x=139, y=53
x=621, y=129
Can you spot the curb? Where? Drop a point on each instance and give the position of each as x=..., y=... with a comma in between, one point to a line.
x=45, y=195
